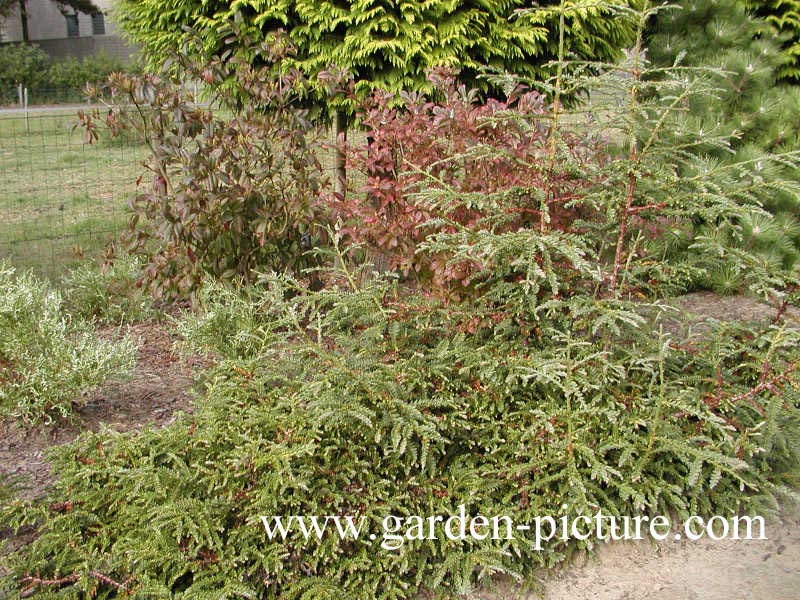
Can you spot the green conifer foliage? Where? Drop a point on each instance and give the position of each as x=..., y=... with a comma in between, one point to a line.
x=749, y=106
x=784, y=15
x=388, y=44
x=371, y=403
x=555, y=390
x=49, y=357
x=750, y=109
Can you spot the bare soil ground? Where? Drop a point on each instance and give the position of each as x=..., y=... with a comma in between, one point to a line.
x=697, y=309
x=671, y=570
x=160, y=386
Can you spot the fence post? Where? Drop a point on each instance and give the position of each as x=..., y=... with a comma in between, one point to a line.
x=25, y=109
x=19, y=94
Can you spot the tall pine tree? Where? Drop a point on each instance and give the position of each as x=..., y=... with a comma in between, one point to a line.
x=751, y=105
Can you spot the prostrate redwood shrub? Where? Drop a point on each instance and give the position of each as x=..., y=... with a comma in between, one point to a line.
x=485, y=166
x=371, y=403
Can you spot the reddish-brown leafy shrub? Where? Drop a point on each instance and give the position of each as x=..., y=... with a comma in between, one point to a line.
x=485, y=166
x=234, y=189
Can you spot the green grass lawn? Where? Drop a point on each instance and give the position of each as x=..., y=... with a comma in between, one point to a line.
x=61, y=199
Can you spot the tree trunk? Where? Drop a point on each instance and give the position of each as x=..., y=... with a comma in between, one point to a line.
x=340, y=128
x=23, y=17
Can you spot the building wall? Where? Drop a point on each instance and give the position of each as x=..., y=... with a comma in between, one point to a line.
x=46, y=21
x=47, y=27
x=82, y=47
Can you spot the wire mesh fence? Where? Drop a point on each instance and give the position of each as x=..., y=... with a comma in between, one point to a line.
x=15, y=97
x=20, y=97
x=61, y=199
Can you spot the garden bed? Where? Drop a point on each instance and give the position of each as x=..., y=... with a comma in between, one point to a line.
x=160, y=386
x=678, y=570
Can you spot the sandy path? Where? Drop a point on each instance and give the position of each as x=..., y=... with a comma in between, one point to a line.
x=703, y=570
x=680, y=570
